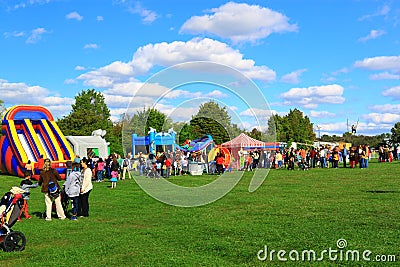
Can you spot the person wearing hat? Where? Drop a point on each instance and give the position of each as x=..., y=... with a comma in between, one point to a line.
x=48, y=180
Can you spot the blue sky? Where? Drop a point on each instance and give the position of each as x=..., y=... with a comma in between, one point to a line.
x=333, y=60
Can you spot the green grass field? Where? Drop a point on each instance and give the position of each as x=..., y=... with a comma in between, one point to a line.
x=292, y=210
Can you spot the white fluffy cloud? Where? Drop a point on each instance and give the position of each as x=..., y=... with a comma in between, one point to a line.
x=90, y=46
x=74, y=15
x=373, y=34
x=168, y=54
x=21, y=93
x=389, y=118
x=311, y=97
x=293, y=77
x=384, y=76
x=383, y=11
x=386, y=108
x=36, y=35
x=379, y=63
x=147, y=15
x=393, y=92
x=321, y=114
x=251, y=112
x=239, y=22
x=365, y=128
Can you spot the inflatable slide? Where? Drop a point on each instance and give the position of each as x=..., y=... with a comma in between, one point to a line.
x=197, y=144
x=29, y=132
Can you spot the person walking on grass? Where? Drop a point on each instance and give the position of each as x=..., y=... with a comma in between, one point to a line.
x=72, y=187
x=48, y=180
x=87, y=186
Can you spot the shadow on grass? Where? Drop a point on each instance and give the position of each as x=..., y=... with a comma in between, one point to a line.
x=382, y=191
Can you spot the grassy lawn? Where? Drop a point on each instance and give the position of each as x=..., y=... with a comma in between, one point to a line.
x=292, y=210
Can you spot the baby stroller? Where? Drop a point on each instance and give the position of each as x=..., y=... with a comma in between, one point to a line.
x=10, y=209
x=150, y=170
x=303, y=165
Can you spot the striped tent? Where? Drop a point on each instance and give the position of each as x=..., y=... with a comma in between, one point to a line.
x=240, y=142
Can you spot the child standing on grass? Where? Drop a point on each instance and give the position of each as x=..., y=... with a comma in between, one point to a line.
x=114, y=177
x=25, y=185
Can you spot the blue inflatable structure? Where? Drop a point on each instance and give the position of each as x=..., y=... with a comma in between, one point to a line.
x=154, y=142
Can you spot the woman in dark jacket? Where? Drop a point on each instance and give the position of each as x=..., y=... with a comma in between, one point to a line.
x=50, y=175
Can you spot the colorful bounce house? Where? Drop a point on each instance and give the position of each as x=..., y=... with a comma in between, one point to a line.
x=29, y=132
x=154, y=142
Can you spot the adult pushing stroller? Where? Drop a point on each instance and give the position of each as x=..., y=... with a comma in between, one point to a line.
x=10, y=209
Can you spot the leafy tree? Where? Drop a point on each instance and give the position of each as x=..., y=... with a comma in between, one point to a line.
x=156, y=120
x=294, y=127
x=256, y=134
x=141, y=121
x=186, y=132
x=89, y=113
x=213, y=120
x=395, y=137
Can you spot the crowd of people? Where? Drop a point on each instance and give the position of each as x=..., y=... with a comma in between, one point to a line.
x=313, y=157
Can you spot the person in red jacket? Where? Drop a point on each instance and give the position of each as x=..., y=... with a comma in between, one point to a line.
x=220, y=163
x=168, y=164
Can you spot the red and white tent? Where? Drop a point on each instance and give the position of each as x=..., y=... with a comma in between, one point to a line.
x=240, y=142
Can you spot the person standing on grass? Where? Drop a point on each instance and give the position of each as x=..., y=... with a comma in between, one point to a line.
x=344, y=156
x=72, y=187
x=335, y=157
x=25, y=185
x=279, y=159
x=114, y=175
x=352, y=157
x=29, y=166
x=40, y=163
x=366, y=155
x=100, y=170
x=219, y=161
x=87, y=186
x=142, y=163
x=125, y=168
x=168, y=165
x=48, y=180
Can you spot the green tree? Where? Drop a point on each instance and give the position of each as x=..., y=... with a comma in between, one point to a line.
x=89, y=113
x=256, y=134
x=141, y=121
x=294, y=127
x=186, y=132
x=213, y=120
x=156, y=120
x=395, y=137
